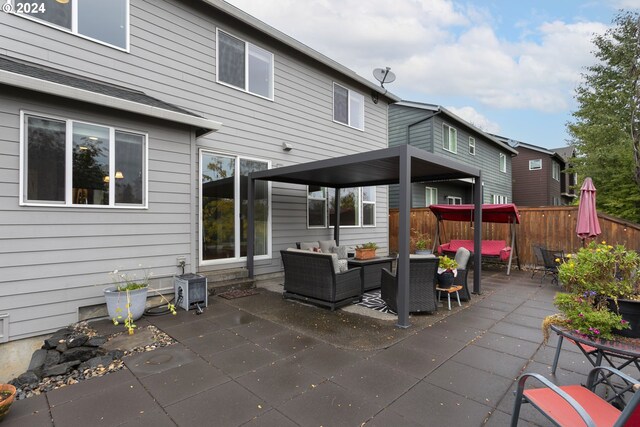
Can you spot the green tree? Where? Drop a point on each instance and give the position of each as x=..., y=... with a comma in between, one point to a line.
x=606, y=126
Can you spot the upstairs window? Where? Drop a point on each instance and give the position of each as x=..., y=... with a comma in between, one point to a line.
x=430, y=196
x=348, y=107
x=498, y=199
x=74, y=163
x=503, y=163
x=244, y=66
x=555, y=171
x=535, y=164
x=472, y=146
x=449, y=138
x=104, y=21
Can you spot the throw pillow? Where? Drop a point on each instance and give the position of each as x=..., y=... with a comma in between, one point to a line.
x=341, y=251
x=326, y=245
x=343, y=264
x=308, y=245
x=336, y=263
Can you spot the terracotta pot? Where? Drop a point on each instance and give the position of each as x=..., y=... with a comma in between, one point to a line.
x=365, y=253
x=6, y=403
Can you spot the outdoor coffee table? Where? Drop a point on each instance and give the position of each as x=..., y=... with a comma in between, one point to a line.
x=370, y=270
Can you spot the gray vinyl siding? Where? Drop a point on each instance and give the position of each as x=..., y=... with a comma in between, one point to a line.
x=428, y=135
x=54, y=260
x=171, y=57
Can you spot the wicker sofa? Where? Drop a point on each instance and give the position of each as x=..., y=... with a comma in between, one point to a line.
x=315, y=277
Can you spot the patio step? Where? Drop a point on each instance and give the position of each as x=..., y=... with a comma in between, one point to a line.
x=220, y=281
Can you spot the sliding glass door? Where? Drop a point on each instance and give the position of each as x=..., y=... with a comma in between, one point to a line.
x=223, y=214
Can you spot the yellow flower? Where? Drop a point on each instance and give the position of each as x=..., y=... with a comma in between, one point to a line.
x=569, y=255
x=604, y=242
x=557, y=259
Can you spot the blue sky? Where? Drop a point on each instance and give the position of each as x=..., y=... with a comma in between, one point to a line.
x=508, y=66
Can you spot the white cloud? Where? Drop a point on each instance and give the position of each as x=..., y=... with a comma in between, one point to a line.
x=440, y=48
x=627, y=4
x=472, y=116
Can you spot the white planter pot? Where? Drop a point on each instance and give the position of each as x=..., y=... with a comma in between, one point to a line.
x=117, y=303
x=424, y=252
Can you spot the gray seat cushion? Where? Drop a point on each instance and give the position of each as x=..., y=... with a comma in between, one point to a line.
x=327, y=245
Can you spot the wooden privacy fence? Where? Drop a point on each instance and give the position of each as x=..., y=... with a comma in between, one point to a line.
x=550, y=226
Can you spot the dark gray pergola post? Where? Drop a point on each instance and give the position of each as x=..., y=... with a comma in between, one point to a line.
x=477, y=234
x=404, y=222
x=250, y=224
x=336, y=229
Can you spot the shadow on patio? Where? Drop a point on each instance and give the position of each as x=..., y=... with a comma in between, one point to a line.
x=262, y=360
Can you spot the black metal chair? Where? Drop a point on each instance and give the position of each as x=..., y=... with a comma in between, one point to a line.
x=549, y=257
x=539, y=262
x=423, y=273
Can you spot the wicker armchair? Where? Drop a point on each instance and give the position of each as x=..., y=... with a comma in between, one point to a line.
x=312, y=277
x=462, y=258
x=423, y=274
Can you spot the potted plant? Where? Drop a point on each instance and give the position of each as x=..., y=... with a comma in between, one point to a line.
x=447, y=271
x=126, y=301
x=422, y=242
x=602, y=297
x=7, y=395
x=366, y=250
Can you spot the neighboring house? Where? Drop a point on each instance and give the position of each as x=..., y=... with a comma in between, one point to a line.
x=128, y=129
x=539, y=175
x=437, y=130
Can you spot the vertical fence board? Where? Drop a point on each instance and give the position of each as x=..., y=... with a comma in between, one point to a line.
x=550, y=226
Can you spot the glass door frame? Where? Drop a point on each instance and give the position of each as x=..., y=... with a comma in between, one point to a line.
x=236, y=201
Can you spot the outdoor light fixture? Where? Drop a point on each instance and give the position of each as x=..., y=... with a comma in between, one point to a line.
x=106, y=179
x=62, y=1
x=287, y=147
x=119, y=175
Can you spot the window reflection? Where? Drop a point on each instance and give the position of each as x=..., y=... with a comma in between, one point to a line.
x=90, y=164
x=46, y=159
x=129, y=154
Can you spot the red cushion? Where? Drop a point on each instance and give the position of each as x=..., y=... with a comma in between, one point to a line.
x=602, y=413
x=497, y=248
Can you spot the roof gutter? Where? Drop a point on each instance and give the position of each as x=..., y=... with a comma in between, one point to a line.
x=203, y=126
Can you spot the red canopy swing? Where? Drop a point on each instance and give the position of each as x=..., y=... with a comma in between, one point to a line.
x=505, y=214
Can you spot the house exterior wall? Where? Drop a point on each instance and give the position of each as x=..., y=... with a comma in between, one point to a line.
x=534, y=187
x=428, y=135
x=172, y=56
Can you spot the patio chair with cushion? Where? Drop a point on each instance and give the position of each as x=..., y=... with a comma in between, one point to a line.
x=575, y=405
x=462, y=258
x=549, y=257
x=423, y=272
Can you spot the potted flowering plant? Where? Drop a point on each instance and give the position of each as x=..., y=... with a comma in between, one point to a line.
x=366, y=250
x=602, y=297
x=421, y=242
x=127, y=300
x=447, y=271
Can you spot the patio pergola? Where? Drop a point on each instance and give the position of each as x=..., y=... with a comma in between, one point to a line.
x=395, y=165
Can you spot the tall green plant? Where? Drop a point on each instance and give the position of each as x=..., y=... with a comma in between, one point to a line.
x=606, y=126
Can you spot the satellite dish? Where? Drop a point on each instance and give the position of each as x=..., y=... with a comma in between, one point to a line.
x=384, y=75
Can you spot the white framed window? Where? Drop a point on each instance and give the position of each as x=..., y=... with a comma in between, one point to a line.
x=555, y=171
x=369, y=206
x=357, y=207
x=472, y=146
x=106, y=22
x=224, y=205
x=449, y=138
x=316, y=207
x=348, y=107
x=243, y=66
x=73, y=163
x=535, y=164
x=498, y=199
x=430, y=196
x=454, y=200
x=503, y=162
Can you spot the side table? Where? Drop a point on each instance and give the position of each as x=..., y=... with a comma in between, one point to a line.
x=370, y=270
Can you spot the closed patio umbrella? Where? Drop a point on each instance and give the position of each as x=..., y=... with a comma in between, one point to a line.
x=588, y=225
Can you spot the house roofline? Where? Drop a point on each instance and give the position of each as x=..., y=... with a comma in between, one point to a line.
x=295, y=44
x=438, y=109
x=203, y=126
